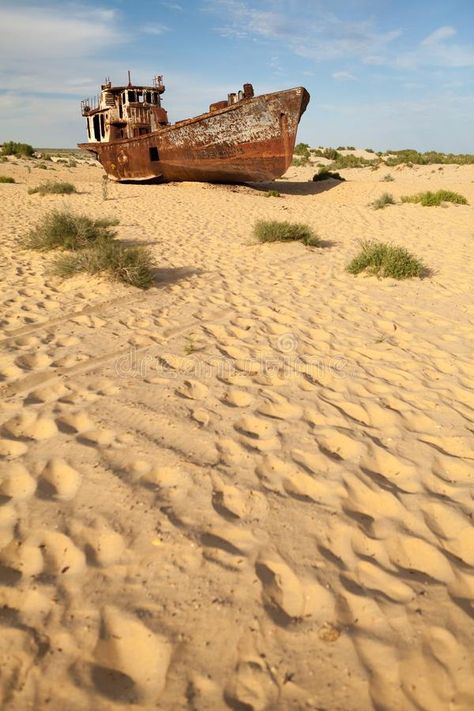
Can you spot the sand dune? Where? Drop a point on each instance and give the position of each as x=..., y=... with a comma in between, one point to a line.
x=251, y=486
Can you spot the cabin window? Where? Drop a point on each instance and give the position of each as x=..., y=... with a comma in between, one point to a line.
x=89, y=128
x=131, y=97
x=96, y=127
x=143, y=130
x=102, y=126
x=154, y=155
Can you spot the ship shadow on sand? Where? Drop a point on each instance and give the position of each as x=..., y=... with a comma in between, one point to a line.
x=296, y=188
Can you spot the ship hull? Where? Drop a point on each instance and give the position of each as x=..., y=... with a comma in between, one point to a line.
x=252, y=140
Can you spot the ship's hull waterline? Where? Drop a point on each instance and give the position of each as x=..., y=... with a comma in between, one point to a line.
x=251, y=140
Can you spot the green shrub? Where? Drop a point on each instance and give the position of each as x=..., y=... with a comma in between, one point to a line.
x=410, y=155
x=388, y=178
x=430, y=199
x=130, y=265
x=370, y=150
x=300, y=162
x=352, y=161
x=12, y=148
x=6, y=179
x=386, y=260
x=63, y=230
x=302, y=149
x=331, y=154
x=324, y=174
x=275, y=231
x=382, y=201
x=51, y=187
x=350, y=148
x=272, y=193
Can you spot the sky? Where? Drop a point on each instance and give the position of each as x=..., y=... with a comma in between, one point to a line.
x=381, y=73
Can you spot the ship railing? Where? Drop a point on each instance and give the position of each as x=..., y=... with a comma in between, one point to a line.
x=90, y=104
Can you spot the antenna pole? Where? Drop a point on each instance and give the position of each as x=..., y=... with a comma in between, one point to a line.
x=129, y=80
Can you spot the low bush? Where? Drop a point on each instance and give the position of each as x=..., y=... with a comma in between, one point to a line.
x=300, y=162
x=352, y=161
x=382, y=201
x=388, y=178
x=12, y=148
x=331, y=154
x=63, y=230
x=430, y=199
x=129, y=265
x=51, y=187
x=6, y=179
x=302, y=149
x=410, y=155
x=386, y=260
x=275, y=231
x=272, y=193
x=325, y=174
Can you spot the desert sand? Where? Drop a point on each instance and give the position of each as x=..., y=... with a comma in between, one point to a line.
x=249, y=487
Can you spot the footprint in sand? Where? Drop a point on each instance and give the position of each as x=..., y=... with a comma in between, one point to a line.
x=415, y=555
x=102, y=545
x=101, y=438
x=237, y=398
x=252, y=686
x=48, y=393
x=285, y=592
x=278, y=407
x=226, y=543
x=339, y=445
x=60, y=479
x=193, y=390
x=396, y=471
x=11, y=448
x=16, y=482
x=172, y=483
x=21, y=558
x=61, y=556
x=33, y=361
x=370, y=576
x=257, y=433
x=231, y=502
x=31, y=425
x=77, y=422
x=130, y=649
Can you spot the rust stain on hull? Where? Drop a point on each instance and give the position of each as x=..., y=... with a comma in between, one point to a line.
x=249, y=140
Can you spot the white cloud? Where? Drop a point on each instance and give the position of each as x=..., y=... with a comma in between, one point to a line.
x=441, y=33
x=50, y=32
x=55, y=49
x=154, y=28
x=343, y=76
x=436, y=50
x=311, y=32
x=172, y=5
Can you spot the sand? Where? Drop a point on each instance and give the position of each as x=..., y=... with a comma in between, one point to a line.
x=251, y=486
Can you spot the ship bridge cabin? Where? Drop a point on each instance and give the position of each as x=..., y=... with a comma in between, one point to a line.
x=124, y=112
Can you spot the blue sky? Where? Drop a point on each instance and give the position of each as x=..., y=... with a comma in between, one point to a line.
x=381, y=73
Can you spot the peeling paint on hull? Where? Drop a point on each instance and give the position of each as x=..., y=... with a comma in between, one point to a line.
x=252, y=140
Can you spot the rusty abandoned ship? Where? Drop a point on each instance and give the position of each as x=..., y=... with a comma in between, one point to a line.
x=244, y=138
